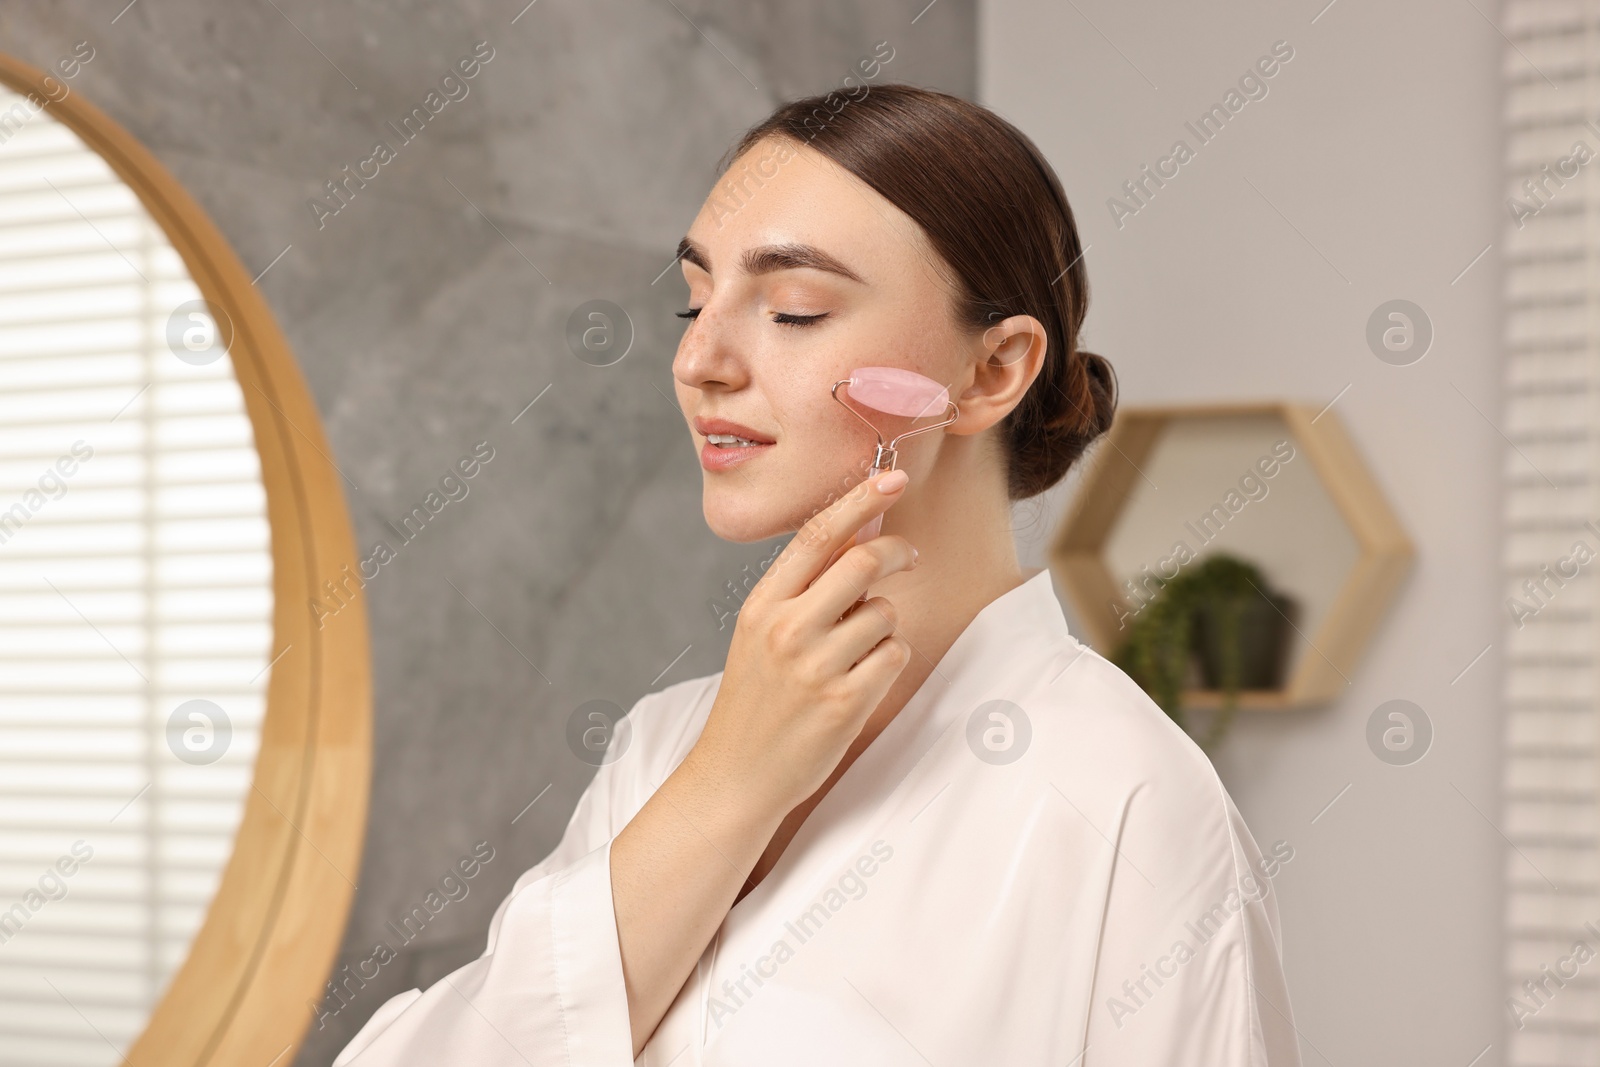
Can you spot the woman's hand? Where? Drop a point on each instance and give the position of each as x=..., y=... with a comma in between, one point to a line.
x=808, y=664
x=806, y=668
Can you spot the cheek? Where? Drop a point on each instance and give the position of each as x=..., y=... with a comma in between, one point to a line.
x=823, y=428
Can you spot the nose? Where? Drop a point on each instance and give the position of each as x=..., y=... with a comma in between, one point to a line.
x=709, y=353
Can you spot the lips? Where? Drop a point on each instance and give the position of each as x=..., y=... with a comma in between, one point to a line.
x=722, y=458
x=706, y=427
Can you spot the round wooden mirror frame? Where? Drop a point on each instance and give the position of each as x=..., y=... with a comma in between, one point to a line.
x=260, y=961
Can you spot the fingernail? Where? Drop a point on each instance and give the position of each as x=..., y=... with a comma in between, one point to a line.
x=913, y=555
x=892, y=481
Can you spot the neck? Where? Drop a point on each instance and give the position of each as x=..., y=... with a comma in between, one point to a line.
x=958, y=516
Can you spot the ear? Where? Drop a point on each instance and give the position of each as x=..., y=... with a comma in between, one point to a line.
x=1006, y=358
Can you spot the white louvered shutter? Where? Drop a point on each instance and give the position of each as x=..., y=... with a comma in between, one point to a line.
x=1552, y=480
x=142, y=584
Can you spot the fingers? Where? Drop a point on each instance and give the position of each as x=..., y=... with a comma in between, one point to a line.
x=879, y=667
x=859, y=568
x=806, y=556
x=862, y=628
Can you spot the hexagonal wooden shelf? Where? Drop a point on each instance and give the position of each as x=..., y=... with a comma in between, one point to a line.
x=1336, y=547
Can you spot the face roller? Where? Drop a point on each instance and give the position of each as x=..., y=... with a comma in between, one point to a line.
x=893, y=391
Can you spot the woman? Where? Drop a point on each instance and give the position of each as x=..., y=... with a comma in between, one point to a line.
x=913, y=820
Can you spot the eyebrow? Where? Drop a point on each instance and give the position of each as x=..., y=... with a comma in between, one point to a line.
x=769, y=258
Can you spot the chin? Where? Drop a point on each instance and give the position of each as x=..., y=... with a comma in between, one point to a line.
x=737, y=517
x=743, y=510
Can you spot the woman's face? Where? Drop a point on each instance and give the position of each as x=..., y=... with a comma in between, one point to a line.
x=799, y=273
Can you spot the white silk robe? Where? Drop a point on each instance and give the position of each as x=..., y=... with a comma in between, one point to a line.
x=1068, y=884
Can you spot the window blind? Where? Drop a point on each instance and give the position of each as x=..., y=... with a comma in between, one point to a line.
x=137, y=582
x=1551, y=77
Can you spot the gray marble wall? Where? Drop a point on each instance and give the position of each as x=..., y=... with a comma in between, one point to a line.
x=431, y=308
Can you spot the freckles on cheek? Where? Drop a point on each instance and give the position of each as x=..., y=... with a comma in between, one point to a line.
x=795, y=399
x=828, y=446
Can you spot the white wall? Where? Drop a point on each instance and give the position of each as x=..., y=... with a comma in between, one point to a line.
x=1375, y=165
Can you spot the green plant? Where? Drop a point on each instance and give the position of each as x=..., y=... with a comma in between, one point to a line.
x=1161, y=639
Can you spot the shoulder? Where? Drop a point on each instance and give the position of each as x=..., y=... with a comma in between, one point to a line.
x=1092, y=712
x=675, y=706
x=1119, y=757
x=663, y=724
x=644, y=746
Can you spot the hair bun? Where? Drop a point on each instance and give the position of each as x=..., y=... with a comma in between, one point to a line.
x=1089, y=400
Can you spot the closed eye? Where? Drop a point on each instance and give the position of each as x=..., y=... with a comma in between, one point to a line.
x=797, y=320
x=780, y=317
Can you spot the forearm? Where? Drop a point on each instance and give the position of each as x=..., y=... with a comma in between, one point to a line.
x=676, y=869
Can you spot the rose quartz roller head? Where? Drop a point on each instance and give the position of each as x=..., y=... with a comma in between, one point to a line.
x=894, y=391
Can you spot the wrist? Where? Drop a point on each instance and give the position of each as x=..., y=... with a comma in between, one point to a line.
x=728, y=798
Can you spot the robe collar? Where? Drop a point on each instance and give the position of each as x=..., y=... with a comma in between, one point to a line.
x=1028, y=611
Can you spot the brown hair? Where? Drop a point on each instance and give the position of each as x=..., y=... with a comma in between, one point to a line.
x=994, y=210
